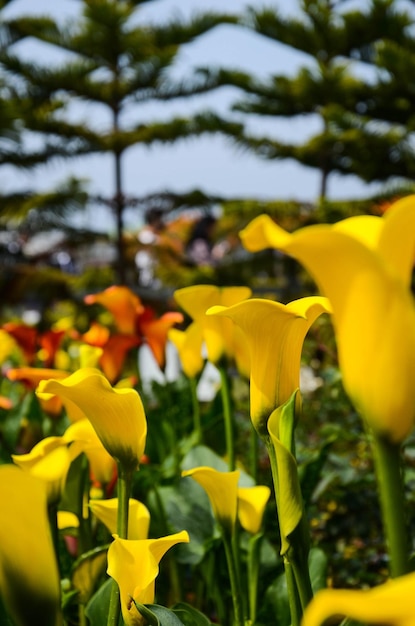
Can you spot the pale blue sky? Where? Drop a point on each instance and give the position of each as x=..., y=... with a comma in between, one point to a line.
x=210, y=163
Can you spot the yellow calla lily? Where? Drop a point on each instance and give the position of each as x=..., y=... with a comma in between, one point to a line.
x=275, y=334
x=116, y=414
x=251, y=506
x=138, y=518
x=189, y=347
x=222, y=490
x=390, y=603
x=134, y=565
x=29, y=577
x=218, y=334
x=85, y=439
x=49, y=460
x=67, y=519
x=363, y=265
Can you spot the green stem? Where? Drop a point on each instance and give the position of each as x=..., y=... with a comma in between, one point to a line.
x=254, y=454
x=123, y=491
x=254, y=547
x=291, y=579
x=234, y=579
x=197, y=424
x=228, y=419
x=175, y=581
x=387, y=458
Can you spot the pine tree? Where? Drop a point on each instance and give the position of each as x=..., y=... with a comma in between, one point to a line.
x=352, y=139
x=119, y=65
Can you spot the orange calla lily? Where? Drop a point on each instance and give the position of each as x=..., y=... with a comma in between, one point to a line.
x=122, y=303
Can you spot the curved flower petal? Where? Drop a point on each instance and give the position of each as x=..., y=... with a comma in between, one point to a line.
x=134, y=564
x=217, y=333
x=122, y=303
x=222, y=490
x=116, y=414
x=364, y=270
x=275, y=334
x=26, y=550
x=390, y=603
x=85, y=439
x=251, y=506
x=138, y=518
x=49, y=460
x=156, y=331
x=189, y=347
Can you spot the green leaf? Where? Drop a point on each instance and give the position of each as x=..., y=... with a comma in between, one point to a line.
x=290, y=502
x=190, y=616
x=157, y=615
x=276, y=603
x=98, y=607
x=187, y=506
x=317, y=563
x=202, y=455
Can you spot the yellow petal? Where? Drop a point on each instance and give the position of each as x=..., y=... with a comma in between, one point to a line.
x=373, y=309
x=134, y=564
x=66, y=519
x=49, y=460
x=275, y=334
x=222, y=490
x=138, y=517
x=217, y=333
x=116, y=414
x=189, y=347
x=85, y=439
x=251, y=506
x=29, y=577
x=390, y=603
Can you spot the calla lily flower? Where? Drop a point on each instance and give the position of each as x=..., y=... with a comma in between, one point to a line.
x=275, y=334
x=390, y=603
x=189, y=347
x=156, y=332
x=218, y=334
x=363, y=265
x=114, y=348
x=116, y=414
x=251, y=506
x=29, y=577
x=31, y=377
x=222, y=490
x=25, y=337
x=134, y=565
x=84, y=438
x=138, y=517
x=49, y=460
x=8, y=345
x=122, y=303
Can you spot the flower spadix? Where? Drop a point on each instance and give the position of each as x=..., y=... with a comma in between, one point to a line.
x=134, y=565
x=116, y=414
x=29, y=577
x=222, y=490
x=363, y=265
x=390, y=603
x=275, y=334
